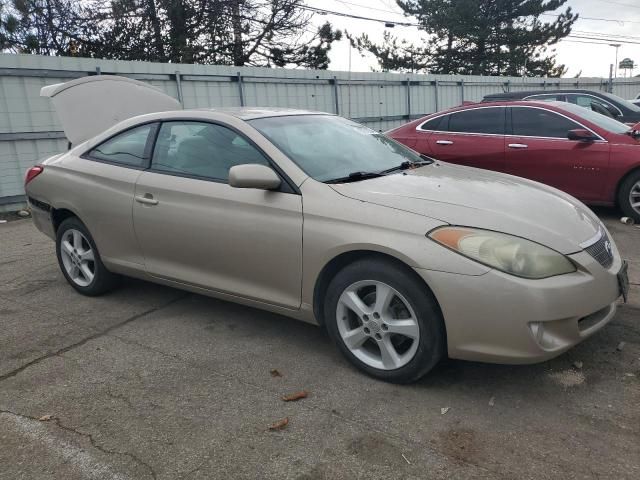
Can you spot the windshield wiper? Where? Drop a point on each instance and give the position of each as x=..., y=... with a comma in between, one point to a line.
x=409, y=165
x=356, y=177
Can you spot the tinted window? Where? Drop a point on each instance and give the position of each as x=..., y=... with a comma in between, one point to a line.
x=595, y=104
x=537, y=122
x=434, y=124
x=601, y=121
x=127, y=148
x=202, y=150
x=479, y=120
x=614, y=99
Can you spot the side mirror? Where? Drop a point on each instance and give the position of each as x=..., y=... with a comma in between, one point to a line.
x=581, y=135
x=253, y=175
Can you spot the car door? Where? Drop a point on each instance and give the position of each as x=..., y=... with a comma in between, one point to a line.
x=102, y=184
x=473, y=137
x=538, y=149
x=196, y=229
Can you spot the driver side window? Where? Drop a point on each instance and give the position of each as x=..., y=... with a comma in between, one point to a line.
x=202, y=150
x=595, y=104
x=539, y=122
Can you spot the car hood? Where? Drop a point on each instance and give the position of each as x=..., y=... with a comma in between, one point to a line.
x=479, y=198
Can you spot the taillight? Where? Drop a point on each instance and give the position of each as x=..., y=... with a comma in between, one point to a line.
x=32, y=173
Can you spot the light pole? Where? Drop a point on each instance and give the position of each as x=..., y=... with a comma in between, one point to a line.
x=617, y=45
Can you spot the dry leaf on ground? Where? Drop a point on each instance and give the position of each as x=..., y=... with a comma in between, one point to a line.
x=280, y=424
x=45, y=418
x=275, y=373
x=296, y=396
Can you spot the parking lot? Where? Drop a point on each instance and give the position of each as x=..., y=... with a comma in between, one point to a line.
x=151, y=382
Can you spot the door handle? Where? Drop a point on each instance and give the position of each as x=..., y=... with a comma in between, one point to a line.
x=444, y=142
x=518, y=145
x=147, y=199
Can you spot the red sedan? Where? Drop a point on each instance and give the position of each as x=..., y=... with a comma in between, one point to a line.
x=588, y=155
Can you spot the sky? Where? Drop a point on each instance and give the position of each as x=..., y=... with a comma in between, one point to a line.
x=622, y=19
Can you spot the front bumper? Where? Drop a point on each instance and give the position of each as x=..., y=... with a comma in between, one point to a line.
x=500, y=318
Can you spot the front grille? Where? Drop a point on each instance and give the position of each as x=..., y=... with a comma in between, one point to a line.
x=602, y=250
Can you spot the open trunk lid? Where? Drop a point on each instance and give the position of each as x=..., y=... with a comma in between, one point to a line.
x=88, y=106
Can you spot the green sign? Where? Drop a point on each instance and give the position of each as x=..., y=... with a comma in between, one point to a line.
x=627, y=63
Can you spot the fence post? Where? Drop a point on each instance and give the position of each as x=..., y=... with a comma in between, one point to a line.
x=408, y=99
x=462, y=91
x=436, y=94
x=508, y=85
x=336, y=94
x=179, y=88
x=240, y=88
x=98, y=70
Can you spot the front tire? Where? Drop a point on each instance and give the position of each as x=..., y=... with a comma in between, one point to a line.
x=629, y=196
x=384, y=320
x=80, y=261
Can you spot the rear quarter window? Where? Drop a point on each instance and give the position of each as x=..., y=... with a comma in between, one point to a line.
x=127, y=149
x=435, y=124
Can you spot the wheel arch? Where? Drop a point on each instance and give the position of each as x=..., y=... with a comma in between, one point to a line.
x=338, y=262
x=635, y=169
x=59, y=215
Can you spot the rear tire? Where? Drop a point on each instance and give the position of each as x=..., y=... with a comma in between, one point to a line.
x=80, y=261
x=629, y=196
x=384, y=320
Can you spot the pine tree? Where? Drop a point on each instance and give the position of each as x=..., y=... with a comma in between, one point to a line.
x=477, y=37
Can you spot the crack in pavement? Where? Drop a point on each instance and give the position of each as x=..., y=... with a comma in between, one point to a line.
x=56, y=421
x=392, y=435
x=81, y=342
x=149, y=348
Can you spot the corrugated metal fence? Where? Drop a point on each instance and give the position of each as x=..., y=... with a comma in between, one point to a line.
x=29, y=129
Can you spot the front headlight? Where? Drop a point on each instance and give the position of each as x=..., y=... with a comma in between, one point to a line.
x=507, y=253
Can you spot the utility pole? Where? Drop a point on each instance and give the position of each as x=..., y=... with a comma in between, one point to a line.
x=238, y=50
x=617, y=46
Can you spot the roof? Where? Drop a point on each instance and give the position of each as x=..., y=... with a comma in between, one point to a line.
x=502, y=103
x=522, y=94
x=251, y=113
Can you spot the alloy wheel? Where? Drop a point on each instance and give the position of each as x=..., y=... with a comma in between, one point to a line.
x=634, y=197
x=78, y=257
x=377, y=324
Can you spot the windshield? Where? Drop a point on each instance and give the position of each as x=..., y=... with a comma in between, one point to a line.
x=602, y=121
x=626, y=103
x=330, y=147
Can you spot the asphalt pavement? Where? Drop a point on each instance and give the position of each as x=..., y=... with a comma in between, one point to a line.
x=153, y=382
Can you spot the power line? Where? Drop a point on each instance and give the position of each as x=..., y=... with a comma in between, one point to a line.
x=599, y=19
x=609, y=40
x=632, y=37
x=564, y=40
x=344, y=2
x=323, y=11
x=620, y=3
